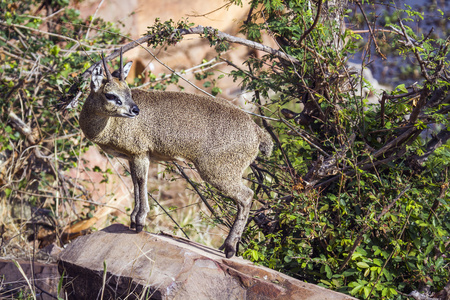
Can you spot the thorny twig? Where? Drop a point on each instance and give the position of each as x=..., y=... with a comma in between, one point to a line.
x=316, y=20
x=410, y=44
x=165, y=211
x=372, y=35
x=44, y=32
x=196, y=69
x=194, y=186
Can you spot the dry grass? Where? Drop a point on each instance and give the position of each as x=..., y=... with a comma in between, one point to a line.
x=25, y=229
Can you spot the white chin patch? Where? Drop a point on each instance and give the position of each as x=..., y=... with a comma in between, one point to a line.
x=130, y=116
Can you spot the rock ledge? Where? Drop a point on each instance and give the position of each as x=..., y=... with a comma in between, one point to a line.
x=166, y=267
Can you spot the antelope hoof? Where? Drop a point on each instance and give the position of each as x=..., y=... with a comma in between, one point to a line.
x=133, y=225
x=230, y=250
x=139, y=228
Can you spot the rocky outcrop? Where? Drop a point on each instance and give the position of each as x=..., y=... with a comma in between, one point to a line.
x=20, y=275
x=117, y=263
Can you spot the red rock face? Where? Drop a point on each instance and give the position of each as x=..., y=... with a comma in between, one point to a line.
x=171, y=268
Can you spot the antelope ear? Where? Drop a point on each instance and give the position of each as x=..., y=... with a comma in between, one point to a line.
x=97, y=77
x=126, y=69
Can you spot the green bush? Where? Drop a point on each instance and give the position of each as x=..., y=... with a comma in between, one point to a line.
x=355, y=195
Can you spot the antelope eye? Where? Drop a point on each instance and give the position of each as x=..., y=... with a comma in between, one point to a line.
x=110, y=96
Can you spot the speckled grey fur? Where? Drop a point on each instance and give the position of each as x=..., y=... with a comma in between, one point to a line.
x=216, y=136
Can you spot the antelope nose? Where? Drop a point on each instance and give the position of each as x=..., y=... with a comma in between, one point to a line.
x=135, y=110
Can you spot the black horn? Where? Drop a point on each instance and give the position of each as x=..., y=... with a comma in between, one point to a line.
x=108, y=74
x=122, y=75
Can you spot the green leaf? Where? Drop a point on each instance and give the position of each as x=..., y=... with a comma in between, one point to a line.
x=362, y=265
x=393, y=291
x=356, y=290
x=350, y=272
x=378, y=262
x=216, y=90
x=7, y=192
x=324, y=208
x=402, y=88
x=254, y=254
x=366, y=291
x=328, y=270
x=326, y=282
x=387, y=274
x=55, y=50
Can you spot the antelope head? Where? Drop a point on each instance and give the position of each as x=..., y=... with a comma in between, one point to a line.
x=112, y=93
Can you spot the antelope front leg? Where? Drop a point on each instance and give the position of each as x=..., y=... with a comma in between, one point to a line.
x=243, y=200
x=139, y=173
x=136, y=198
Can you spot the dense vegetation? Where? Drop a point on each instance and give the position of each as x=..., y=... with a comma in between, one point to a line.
x=355, y=196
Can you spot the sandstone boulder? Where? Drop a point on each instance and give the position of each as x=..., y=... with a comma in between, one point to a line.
x=116, y=263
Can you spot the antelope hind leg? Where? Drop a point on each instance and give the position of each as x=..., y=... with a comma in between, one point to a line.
x=243, y=197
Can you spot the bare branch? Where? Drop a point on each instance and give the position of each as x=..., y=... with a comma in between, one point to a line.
x=305, y=34
x=93, y=18
x=232, y=39
x=43, y=32
x=180, y=169
x=197, y=30
x=372, y=35
x=409, y=43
